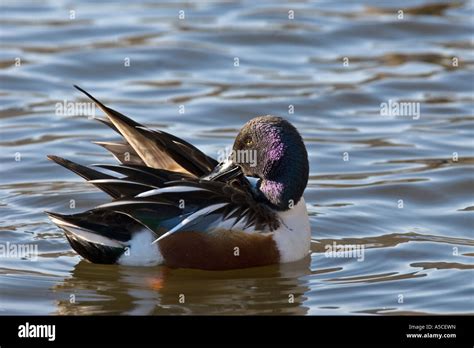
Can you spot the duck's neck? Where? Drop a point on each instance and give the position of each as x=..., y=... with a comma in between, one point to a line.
x=274, y=192
x=285, y=171
x=280, y=193
x=284, y=182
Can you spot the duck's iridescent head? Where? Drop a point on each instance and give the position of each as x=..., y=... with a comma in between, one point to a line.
x=271, y=149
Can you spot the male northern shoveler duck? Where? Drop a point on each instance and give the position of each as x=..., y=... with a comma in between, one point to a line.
x=176, y=206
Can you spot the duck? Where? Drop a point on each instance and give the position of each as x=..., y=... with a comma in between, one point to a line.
x=173, y=205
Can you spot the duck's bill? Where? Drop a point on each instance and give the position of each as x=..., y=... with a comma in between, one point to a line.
x=224, y=171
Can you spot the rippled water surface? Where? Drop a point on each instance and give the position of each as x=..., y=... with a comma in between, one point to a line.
x=400, y=186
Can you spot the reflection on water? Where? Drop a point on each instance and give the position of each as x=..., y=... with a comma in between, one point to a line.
x=400, y=187
x=276, y=289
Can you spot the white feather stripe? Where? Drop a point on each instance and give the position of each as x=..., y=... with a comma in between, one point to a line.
x=171, y=189
x=124, y=203
x=200, y=212
x=91, y=237
x=120, y=182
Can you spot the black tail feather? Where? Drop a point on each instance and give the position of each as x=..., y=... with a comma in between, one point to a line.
x=100, y=236
x=87, y=173
x=115, y=187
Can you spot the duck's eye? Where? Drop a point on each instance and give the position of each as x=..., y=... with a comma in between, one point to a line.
x=248, y=142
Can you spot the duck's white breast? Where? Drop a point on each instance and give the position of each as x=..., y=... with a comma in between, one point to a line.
x=293, y=237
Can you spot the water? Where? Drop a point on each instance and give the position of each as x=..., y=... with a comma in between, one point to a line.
x=400, y=186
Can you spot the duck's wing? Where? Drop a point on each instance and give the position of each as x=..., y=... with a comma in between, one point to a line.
x=156, y=149
x=185, y=205
x=205, y=206
x=149, y=208
x=103, y=235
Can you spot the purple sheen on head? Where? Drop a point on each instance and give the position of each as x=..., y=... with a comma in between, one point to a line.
x=276, y=152
x=273, y=139
x=273, y=190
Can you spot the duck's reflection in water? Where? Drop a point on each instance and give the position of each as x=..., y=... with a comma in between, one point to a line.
x=104, y=289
